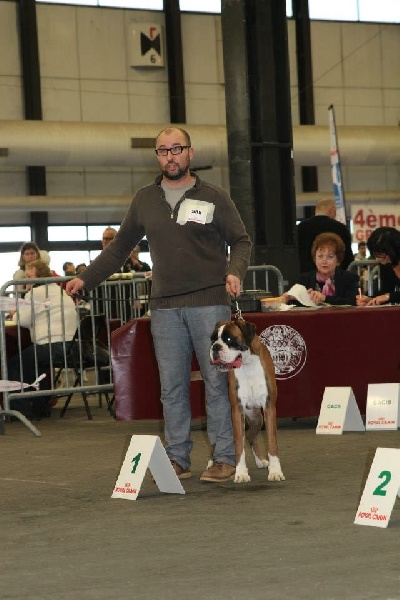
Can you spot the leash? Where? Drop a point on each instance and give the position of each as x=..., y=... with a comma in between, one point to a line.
x=238, y=312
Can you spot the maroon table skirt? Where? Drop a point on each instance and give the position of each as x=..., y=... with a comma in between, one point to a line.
x=136, y=379
x=312, y=349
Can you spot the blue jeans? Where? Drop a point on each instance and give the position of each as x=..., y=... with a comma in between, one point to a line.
x=176, y=333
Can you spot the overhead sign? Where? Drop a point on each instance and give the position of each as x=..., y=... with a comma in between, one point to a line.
x=146, y=45
x=368, y=218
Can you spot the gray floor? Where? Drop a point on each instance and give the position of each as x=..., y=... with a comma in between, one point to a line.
x=63, y=537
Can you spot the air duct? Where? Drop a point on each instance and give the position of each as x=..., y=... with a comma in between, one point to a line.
x=109, y=203
x=78, y=144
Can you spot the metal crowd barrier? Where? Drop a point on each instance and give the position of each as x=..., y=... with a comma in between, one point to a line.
x=121, y=298
x=259, y=278
x=369, y=274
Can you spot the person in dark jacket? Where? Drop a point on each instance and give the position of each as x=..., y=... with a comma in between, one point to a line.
x=135, y=264
x=324, y=221
x=328, y=282
x=384, y=246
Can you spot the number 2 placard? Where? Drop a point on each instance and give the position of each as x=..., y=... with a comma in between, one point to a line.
x=380, y=489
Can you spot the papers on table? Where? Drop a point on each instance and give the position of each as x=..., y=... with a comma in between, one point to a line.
x=300, y=293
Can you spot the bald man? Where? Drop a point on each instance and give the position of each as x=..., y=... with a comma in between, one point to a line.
x=324, y=221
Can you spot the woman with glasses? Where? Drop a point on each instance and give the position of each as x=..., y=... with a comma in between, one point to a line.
x=384, y=246
x=328, y=282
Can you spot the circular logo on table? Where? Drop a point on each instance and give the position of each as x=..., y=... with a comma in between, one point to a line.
x=287, y=348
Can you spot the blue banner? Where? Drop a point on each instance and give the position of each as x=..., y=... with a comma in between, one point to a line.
x=336, y=169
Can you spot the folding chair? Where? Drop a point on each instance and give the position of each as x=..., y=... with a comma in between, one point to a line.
x=81, y=356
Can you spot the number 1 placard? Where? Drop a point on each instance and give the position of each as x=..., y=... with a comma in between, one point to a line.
x=146, y=451
x=380, y=489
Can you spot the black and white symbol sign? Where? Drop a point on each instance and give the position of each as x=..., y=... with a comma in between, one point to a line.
x=146, y=45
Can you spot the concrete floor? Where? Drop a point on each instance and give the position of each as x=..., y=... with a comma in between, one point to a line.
x=63, y=537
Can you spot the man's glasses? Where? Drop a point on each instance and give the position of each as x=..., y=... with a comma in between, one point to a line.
x=108, y=239
x=174, y=150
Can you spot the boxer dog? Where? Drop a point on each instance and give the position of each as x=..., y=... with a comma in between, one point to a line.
x=236, y=348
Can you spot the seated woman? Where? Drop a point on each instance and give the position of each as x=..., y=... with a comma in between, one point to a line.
x=51, y=317
x=329, y=283
x=384, y=246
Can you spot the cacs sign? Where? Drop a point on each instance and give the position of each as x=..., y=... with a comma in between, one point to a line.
x=368, y=218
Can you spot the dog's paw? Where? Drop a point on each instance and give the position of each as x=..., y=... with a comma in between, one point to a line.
x=274, y=469
x=276, y=476
x=261, y=463
x=242, y=476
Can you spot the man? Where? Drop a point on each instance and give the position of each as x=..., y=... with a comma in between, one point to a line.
x=69, y=269
x=188, y=223
x=135, y=264
x=323, y=221
x=362, y=251
x=80, y=268
x=108, y=235
x=132, y=263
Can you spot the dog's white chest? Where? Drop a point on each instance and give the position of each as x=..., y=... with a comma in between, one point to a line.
x=252, y=386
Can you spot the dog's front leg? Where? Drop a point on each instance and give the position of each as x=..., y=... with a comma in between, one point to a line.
x=238, y=424
x=255, y=421
x=274, y=465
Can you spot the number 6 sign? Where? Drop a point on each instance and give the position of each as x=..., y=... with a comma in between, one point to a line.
x=380, y=489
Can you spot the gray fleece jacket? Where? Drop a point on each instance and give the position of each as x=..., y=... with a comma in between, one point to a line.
x=187, y=245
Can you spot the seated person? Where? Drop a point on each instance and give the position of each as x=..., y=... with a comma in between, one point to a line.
x=49, y=323
x=362, y=251
x=134, y=264
x=328, y=282
x=69, y=269
x=80, y=268
x=384, y=246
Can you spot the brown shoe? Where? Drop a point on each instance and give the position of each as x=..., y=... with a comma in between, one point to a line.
x=180, y=471
x=218, y=472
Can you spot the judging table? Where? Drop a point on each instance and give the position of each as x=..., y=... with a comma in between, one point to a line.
x=311, y=348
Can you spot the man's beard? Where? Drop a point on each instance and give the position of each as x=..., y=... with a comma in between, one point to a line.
x=177, y=174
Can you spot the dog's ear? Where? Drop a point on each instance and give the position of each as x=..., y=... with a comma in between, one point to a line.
x=214, y=334
x=248, y=330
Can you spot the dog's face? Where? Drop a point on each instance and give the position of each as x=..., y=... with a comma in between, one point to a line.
x=230, y=342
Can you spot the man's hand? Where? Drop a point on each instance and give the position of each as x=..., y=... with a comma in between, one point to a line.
x=232, y=285
x=74, y=286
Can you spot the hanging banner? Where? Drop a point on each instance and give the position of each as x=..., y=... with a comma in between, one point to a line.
x=367, y=218
x=336, y=169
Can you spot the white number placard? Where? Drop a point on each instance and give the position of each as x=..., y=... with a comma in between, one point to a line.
x=381, y=489
x=383, y=408
x=339, y=412
x=146, y=452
